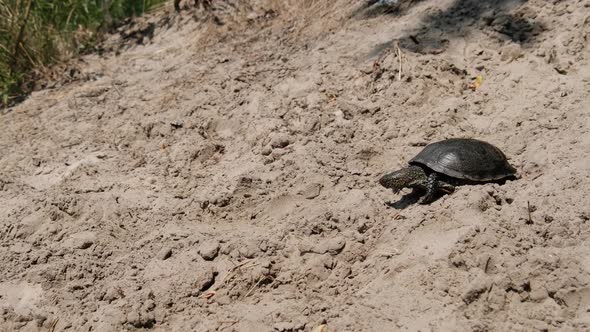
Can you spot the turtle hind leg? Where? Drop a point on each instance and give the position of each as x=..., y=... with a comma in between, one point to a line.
x=435, y=185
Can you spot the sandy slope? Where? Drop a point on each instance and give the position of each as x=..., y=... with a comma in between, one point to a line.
x=223, y=178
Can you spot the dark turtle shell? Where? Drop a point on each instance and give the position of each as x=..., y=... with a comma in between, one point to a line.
x=465, y=158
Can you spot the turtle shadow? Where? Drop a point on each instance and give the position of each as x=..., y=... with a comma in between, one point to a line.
x=404, y=202
x=413, y=197
x=409, y=199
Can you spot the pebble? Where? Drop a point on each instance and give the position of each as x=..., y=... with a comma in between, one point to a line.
x=311, y=191
x=209, y=250
x=332, y=246
x=113, y=293
x=164, y=253
x=478, y=286
x=538, y=292
x=205, y=279
x=222, y=201
x=267, y=150
x=288, y=327
x=249, y=249
x=511, y=52
x=141, y=320
x=82, y=240
x=280, y=141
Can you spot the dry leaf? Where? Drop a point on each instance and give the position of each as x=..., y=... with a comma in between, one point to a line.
x=208, y=295
x=321, y=328
x=476, y=83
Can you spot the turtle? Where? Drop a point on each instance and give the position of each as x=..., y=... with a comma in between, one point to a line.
x=442, y=165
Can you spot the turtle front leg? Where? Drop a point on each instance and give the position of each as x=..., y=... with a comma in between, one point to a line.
x=433, y=185
x=445, y=187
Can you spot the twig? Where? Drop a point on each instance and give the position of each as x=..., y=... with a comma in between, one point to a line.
x=274, y=69
x=417, y=225
x=255, y=285
x=399, y=57
x=241, y=264
x=231, y=322
x=228, y=276
x=530, y=221
x=388, y=254
x=116, y=89
x=53, y=325
x=70, y=145
x=490, y=290
x=485, y=270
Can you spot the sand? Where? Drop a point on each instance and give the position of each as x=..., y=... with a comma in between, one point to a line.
x=220, y=174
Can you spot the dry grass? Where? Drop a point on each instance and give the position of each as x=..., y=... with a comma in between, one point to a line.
x=299, y=19
x=37, y=34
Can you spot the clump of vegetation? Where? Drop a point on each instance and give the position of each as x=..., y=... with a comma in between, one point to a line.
x=37, y=33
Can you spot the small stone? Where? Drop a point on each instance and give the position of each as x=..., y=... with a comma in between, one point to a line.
x=311, y=191
x=226, y=248
x=511, y=52
x=222, y=201
x=280, y=141
x=367, y=68
x=133, y=317
x=249, y=249
x=141, y=320
x=332, y=246
x=223, y=299
x=335, y=245
x=538, y=292
x=267, y=150
x=113, y=293
x=40, y=319
x=209, y=250
x=164, y=253
x=479, y=285
x=561, y=69
x=82, y=240
x=205, y=279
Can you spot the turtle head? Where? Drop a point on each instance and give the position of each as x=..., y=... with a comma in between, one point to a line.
x=408, y=177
